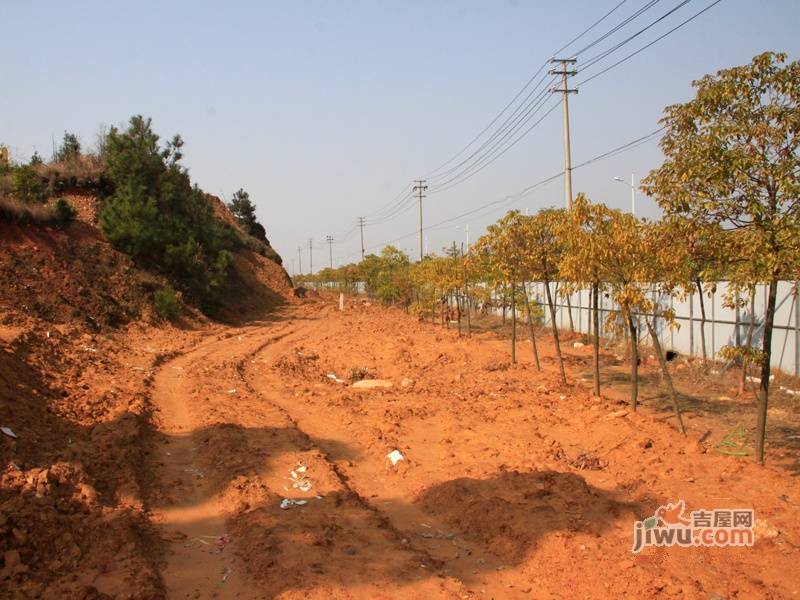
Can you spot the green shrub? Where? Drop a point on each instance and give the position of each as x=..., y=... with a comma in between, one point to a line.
x=63, y=212
x=70, y=148
x=157, y=216
x=165, y=302
x=27, y=185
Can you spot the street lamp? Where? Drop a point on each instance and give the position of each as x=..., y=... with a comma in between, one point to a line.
x=633, y=191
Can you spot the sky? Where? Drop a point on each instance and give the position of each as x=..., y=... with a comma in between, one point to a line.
x=326, y=111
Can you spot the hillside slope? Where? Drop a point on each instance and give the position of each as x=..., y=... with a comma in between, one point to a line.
x=79, y=344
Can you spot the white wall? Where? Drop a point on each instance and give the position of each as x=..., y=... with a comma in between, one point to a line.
x=720, y=326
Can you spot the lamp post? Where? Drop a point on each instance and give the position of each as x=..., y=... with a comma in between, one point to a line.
x=633, y=191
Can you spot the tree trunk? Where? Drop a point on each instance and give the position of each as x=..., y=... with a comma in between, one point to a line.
x=702, y=320
x=595, y=320
x=513, y=322
x=458, y=311
x=763, y=389
x=667, y=378
x=748, y=342
x=634, y=345
x=468, y=303
x=530, y=328
x=569, y=314
x=433, y=308
x=504, y=304
x=555, y=331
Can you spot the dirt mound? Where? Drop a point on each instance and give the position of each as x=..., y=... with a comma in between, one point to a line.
x=71, y=276
x=257, y=286
x=71, y=519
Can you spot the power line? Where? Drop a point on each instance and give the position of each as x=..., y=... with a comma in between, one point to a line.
x=503, y=138
x=401, y=203
x=617, y=27
x=588, y=29
x=591, y=61
x=443, y=187
x=528, y=189
x=646, y=46
x=511, y=121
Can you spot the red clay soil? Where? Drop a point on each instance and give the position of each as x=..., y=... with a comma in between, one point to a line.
x=152, y=462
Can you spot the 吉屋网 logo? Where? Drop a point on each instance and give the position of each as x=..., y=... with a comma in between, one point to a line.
x=669, y=526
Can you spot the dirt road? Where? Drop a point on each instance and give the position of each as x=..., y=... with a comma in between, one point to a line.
x=510, y=486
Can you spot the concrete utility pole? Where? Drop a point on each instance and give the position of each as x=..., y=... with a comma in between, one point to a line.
x=299, y=260
x=361, y=225
x=310, y=256
x=565, y=72
x=329, y=239
x=420, y=187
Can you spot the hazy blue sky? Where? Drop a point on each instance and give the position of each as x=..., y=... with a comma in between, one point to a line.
x=324, y=111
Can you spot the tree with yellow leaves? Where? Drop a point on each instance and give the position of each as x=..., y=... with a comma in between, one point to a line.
x=731, y=159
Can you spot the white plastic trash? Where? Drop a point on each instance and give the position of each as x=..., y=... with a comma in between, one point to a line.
x=395, y=457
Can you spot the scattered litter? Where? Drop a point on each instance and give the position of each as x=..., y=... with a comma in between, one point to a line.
x=587, y=461
x=202, y=541
x=8, y=432
x=395, y=456
x=223, y=541
x=232, y=391
x=287, y=503
x=318, y=497
x=333, y=377
x=298, y=478
x=406, y=382
x=562, y=397
x=48, y=335
x=789, y=391
x=578, y=345
x=197, y=472
x=226, y=574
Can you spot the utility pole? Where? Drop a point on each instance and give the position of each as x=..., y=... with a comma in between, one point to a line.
x=565, y=72
x=329, y=239
x=299, y=260
x=361, y=225
x=420, y=187
x=310, y=256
